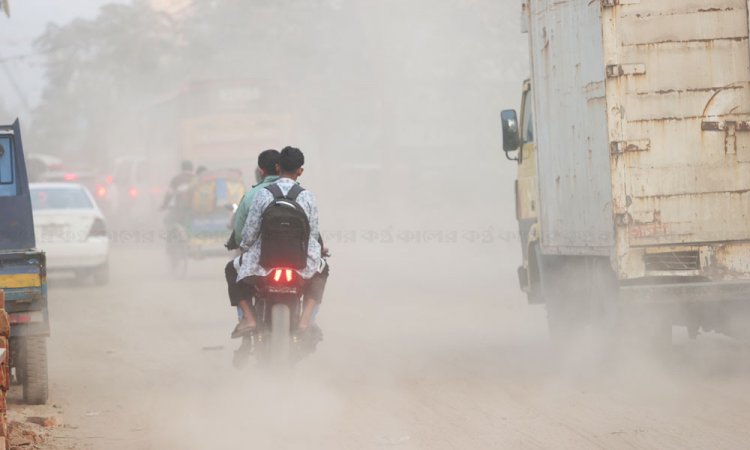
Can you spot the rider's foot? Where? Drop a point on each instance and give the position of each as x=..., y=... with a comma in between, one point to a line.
x=243, y=327
x=316, y=332
x=312, y=331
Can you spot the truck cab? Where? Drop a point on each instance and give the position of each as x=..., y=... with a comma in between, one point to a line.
x=22, y=271
x=518, y=144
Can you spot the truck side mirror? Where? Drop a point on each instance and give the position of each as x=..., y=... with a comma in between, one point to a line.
x=511, y=137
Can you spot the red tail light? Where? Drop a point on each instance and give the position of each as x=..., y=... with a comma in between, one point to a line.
x=70, y=177
x=109, y=179
x=98, y=228
x=101, y=191
x=133, y=192
x=288, y=275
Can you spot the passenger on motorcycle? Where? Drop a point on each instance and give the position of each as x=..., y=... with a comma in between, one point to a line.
x=249, y=265
x=265, y=174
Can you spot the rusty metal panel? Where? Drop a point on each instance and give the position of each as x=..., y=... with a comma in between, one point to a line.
x=691, y=103
x=568, y=73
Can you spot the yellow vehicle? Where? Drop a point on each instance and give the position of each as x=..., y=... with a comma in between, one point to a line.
x=199, y=226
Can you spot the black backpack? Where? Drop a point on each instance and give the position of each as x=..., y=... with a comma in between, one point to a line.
x=284, y=231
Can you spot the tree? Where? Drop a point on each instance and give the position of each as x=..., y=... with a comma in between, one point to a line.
x=99, y=72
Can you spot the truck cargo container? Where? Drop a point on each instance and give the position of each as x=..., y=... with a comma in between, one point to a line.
x=633, y=151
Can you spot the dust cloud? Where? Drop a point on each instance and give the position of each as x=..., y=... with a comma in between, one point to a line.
x=429, y=343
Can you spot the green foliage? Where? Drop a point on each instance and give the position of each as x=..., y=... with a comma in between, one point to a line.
x=99, y=71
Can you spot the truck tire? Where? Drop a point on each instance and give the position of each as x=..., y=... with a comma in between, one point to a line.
x=33, y=364
x=562, y=291
x=581, y=294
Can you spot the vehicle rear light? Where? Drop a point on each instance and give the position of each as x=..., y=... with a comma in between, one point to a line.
x=98, y=228
x=133, y=192
x=288, y=275
x=27, y=317
x=101, y=191
x=109, y=179
x=70, y=177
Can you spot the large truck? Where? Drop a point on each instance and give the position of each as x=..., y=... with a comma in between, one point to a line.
x=218, y=123
x=633, y=153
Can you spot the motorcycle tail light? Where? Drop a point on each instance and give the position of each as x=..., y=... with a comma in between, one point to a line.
x=286, y=274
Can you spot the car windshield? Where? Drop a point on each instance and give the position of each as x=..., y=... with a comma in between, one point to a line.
x=59, y=198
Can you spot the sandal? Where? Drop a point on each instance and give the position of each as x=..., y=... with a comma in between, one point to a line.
x=242, y=329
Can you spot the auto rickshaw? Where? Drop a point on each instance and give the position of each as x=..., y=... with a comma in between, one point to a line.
x=200, y=228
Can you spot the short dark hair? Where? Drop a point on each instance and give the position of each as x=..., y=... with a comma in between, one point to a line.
x=291, y=159
x=267, y=161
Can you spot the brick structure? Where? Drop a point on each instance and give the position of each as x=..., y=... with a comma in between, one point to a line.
x=4, y=370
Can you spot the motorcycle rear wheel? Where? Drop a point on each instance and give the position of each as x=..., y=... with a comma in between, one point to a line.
x=280, y=335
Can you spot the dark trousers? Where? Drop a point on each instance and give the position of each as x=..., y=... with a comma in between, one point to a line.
x=243, y=290
x=237, y=291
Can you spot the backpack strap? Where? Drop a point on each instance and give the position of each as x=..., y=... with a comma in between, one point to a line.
x=294, y=192
x=275, y=190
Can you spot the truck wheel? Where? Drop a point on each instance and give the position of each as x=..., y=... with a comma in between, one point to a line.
x=33, y=363
x=581, y=295
x=563, y=291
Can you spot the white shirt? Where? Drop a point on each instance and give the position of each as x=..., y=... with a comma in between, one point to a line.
x=250, y=244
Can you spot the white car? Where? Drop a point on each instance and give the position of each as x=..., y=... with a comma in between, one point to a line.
x=71, y=229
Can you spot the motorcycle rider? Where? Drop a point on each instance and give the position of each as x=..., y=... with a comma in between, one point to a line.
x=179, y=185
x=265, y=174
x=290, y=167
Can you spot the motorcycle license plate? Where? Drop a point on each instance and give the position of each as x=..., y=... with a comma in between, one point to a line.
x=283, y=290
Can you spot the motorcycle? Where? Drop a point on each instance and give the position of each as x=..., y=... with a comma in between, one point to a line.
x=277, y=307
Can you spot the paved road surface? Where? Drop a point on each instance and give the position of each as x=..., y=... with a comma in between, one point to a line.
x=417, y=356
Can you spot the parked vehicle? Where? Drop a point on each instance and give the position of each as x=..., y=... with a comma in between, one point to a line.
x=633, y=152
x=71, y=229
x=22, y=271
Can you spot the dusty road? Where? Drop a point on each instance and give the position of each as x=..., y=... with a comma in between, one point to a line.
x=417, y=355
